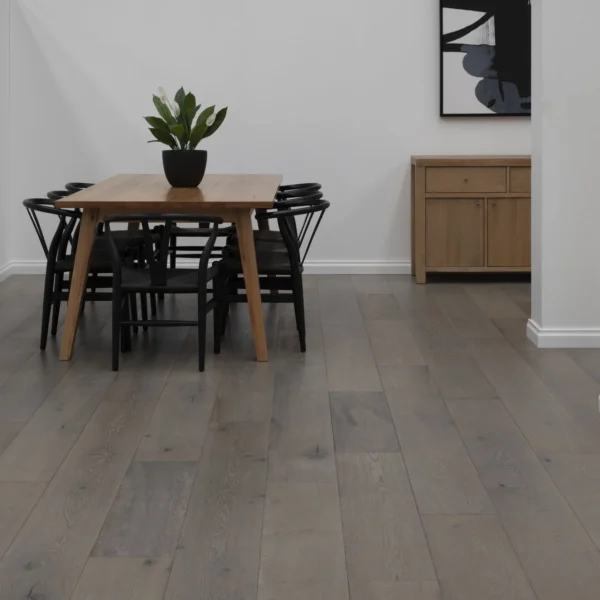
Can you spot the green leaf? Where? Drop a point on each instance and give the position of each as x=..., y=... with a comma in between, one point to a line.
x=163, y=110
x=180, y=132
x=204, y=115
x=157, y=123
x=189, y=108
x=180, y=97
x=218, y=122
x=197, y=134
x=164, y=138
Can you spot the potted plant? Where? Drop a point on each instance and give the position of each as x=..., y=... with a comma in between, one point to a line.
x=178, y=128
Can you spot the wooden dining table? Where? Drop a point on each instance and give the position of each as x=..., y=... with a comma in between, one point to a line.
x=232, y=197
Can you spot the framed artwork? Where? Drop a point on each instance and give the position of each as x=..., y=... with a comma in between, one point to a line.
x=485, y=60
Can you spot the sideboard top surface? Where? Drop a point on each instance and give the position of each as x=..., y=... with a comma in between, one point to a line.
x=458, y=160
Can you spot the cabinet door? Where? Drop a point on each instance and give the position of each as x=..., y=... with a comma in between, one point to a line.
x=455, y=228
x=509, y=232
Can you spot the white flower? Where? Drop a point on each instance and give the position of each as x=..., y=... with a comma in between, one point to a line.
x=162, y=94
x=176, y=110
x=211, y=120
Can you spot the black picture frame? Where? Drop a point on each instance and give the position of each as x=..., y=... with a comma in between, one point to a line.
x=486, y=5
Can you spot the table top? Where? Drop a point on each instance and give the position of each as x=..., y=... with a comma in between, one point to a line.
x=153, y=193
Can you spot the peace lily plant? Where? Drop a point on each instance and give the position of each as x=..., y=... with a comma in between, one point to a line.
x=182, y=126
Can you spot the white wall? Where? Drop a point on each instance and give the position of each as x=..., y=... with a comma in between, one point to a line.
x=338, y=91
x=4, y=134
x=566, y=203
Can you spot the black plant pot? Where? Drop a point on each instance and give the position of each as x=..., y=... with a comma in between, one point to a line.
x=184, y=168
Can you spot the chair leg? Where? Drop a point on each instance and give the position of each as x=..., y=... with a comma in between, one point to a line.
x=94, y=284
x=298, y=292
x=125, y=329
x=173, y=251
x=153, y=309
x=134, y=312
x=144, y=305
x=46, y=306
x=117, y=311
x=219, y=296
x=201, y=325
x=58, y=284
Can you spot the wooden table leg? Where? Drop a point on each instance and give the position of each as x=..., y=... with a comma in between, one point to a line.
x=245, y=235
x=85, y=243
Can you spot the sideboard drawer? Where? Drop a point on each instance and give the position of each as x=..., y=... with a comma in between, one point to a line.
x=520, y=180
x=465, y=180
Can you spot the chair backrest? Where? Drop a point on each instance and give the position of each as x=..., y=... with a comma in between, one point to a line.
x=67, y=220
x=58, y=194
x=313, y=209
x=77, y=186
x=156, y=258
x=297, y=190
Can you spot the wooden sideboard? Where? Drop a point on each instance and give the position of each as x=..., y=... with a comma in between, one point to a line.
x=470, y=214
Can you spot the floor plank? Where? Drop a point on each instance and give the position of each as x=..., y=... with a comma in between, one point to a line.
x=392, y=344
x=545, y=423
x=8, y=432
x=397, y=590
x=245, y=394
x=362, y=422
x=178, y=427
x=301, y=447
x=40, y=447
x=219, y=549
x=577, y=476
x=383, y=536
x=556, y=553
x=50, y=551
x=146, y=517
x=442, y=474
x=123, y=579
x=494, y=302
x=474, y=560
x=16, y=502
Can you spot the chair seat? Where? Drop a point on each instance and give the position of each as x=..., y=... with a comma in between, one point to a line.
x=178, y=280
x=200, y=231
x=269, y=263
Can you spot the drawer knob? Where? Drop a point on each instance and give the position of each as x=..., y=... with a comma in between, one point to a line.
x=466, y=180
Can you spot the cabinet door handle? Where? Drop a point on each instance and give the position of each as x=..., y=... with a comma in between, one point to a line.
x=493, y=204
x=479, y=204
x=466, y=180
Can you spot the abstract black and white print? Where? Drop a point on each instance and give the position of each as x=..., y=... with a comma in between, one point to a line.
x=485, y=57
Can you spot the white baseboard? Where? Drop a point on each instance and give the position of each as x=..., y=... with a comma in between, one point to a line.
x=562, y=338
x=315, y=267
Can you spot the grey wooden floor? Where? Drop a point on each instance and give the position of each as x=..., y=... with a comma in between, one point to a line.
x=422, y=449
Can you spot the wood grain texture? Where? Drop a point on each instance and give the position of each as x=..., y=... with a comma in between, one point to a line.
x=471, y=159
x=392, y=343
x=50, y=551
x=556, y=553
x=459, y=179
x=140, y=193
x=509, y=232
x=455, y=232
x=16, y=503
x=301, y=448
x=474, y=560
x=147, y=514
x=243, y=226
x=245, y=394
x=362, y=422
x=387, y=590
x=85, y=243
x=41, y=446
x=443, y=477
x=179, y=424
x=219, y=550
x=545, y=423
x=520, y=180
x=383, y=536
x=123, y=579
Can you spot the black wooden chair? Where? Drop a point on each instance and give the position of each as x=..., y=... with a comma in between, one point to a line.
x=156, y=278
x=280, y=264
x=60, y=261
